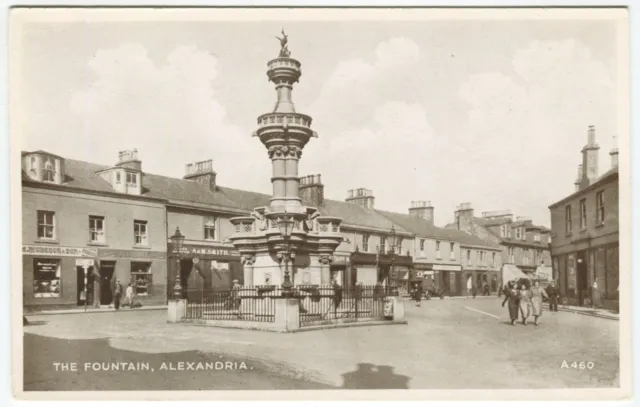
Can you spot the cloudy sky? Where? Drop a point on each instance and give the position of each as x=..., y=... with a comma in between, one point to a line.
x=492, y=112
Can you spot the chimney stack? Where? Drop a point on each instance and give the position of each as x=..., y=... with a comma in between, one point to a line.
x=202, y=172
x=590, y=159
x=464, y=218
x=614, y=153
x=361, y=196
x=312, y=190
x=129, y=159
x=578, y=180
x=422, y=210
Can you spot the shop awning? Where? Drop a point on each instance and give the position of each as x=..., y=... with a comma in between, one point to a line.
x=511, y=272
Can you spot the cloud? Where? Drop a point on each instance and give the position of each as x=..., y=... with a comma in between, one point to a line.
x=168, y=111
x=530, y=124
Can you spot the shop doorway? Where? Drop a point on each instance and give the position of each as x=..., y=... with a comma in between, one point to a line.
x=582, y=277
x=85, y=291
x=446, y=283
x=107, y=268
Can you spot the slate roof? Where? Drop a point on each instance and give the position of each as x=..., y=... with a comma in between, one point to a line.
x=598, y=181
x=421, y=227
x=84, y=175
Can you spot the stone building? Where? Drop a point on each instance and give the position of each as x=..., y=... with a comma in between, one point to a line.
x=86, y=225
x=584, y=226
x=523, y=243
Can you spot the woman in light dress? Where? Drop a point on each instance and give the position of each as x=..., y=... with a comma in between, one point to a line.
x=536, y=295
x=525, y=303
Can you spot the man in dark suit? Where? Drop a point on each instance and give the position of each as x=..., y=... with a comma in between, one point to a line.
x=553, y=294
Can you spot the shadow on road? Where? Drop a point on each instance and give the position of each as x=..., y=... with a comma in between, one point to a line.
x=370, y=376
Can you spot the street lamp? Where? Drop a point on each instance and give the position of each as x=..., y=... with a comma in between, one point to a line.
x=285, y=226
x=394, y=243
x=177, y=240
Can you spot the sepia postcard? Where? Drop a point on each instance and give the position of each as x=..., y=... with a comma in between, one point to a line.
x=353, y=203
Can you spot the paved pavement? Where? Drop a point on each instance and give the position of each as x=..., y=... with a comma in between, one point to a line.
x=446, y=344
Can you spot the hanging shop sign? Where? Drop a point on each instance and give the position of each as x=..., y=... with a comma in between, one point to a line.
x=59, y=251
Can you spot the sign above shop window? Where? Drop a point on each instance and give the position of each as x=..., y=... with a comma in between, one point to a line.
x=446, y=267
x=59, y=251
x=203, y=251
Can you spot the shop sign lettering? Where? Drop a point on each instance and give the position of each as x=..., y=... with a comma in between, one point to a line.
x=59, y=251
x=205, y=251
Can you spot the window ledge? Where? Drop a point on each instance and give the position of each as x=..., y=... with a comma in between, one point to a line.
x=599, y=225
x=47, y=241
x=569, y=234
x=582, y=230
x=100, y=244
x=143, y=247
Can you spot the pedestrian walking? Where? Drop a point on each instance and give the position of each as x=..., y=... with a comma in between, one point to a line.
x=537, y=293
x=418, y=294
x=595, y=295
x=117, y=294
x=552, y=293
x=469, y=286
x=511, y=296
x=337, y=297
x=525, y=303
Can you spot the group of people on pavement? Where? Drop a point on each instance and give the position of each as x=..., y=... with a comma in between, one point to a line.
x=527, y=300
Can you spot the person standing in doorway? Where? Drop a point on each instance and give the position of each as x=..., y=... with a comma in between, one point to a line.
x=117, y=293
x=128, y=296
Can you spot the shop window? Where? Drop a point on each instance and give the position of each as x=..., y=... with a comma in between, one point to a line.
x=96, y=229
x=49, y=173
x=210, y=228
x=141, y=278
x=365, y=242
x=140, y=232
x=46, y=278
x=46, y=225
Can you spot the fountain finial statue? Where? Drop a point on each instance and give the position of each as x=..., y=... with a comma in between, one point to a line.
x=284, y=50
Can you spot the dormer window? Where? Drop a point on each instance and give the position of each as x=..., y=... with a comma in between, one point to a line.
x=132, y=179
x=49, y=173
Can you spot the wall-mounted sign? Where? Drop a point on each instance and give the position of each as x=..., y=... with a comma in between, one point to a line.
x=59, y=251
x=447, y=267
x=85, y=263
x=340, y=260
x=204, y=251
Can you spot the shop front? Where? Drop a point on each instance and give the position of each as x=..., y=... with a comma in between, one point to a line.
x=448, y=277
x=144, y=270
x=56, y=277
x=339, y=264
x=386, y=269
x=203, y=268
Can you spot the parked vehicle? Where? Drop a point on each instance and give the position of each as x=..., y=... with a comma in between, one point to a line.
x=434, y=292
